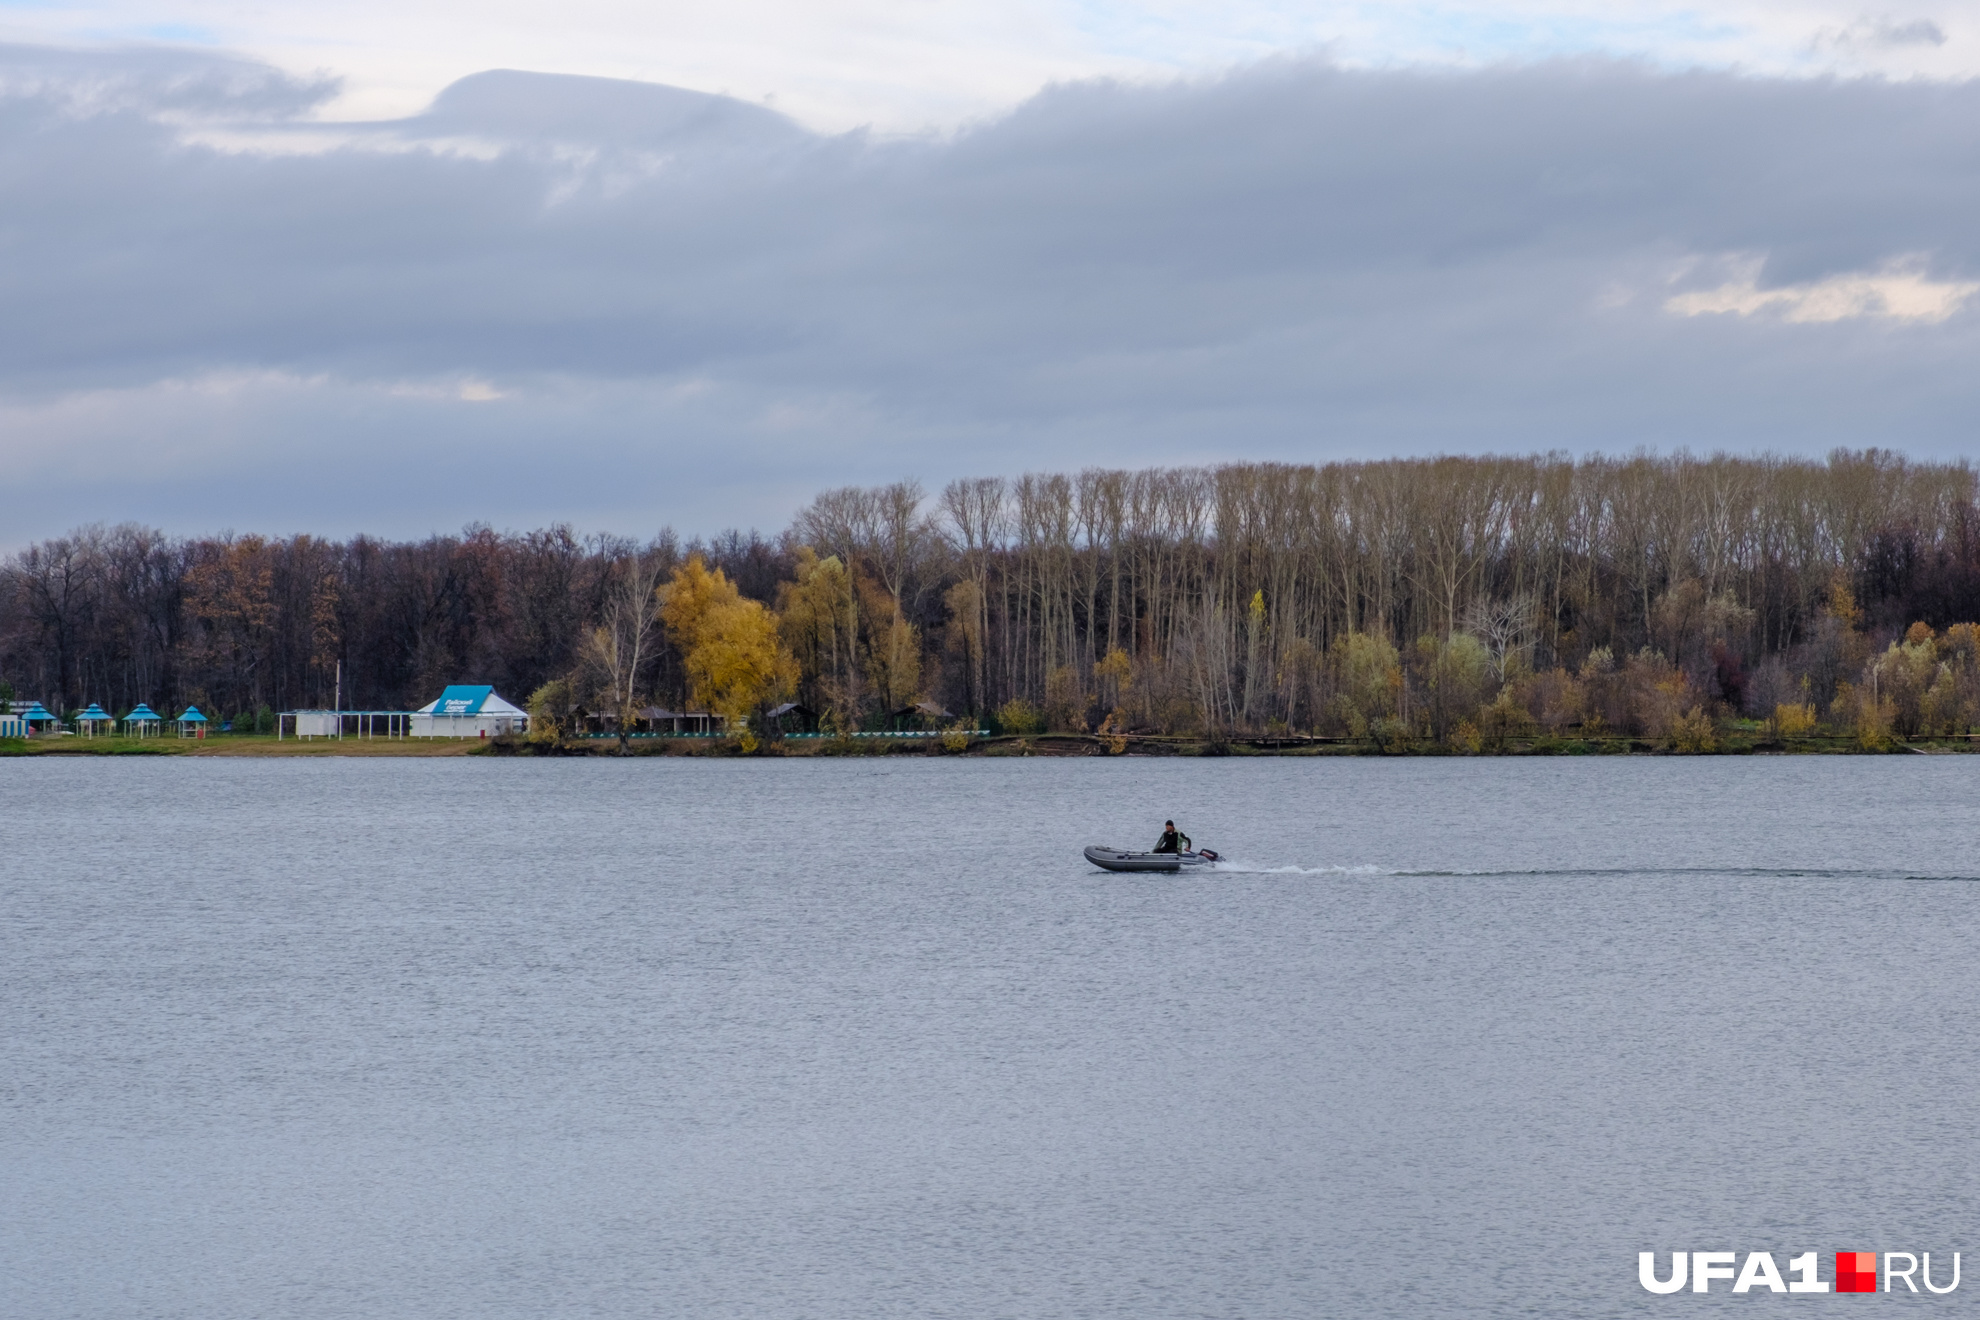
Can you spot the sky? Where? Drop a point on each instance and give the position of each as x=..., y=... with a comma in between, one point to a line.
x=399, y=268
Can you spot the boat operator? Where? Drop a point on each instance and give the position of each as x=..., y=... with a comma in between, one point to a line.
x=1172, y=841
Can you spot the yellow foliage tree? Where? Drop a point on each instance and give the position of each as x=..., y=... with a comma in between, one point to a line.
x=1363, y=664
x=735, y=661
x=893, y=662
x=1794, y=719
x=964, y=637
x=1115, y=675
x=1065, y=700
x=551, y=709
x=1904, y=676
x=818, y=618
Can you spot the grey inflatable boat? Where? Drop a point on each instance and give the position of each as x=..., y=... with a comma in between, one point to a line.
x=1116, y=859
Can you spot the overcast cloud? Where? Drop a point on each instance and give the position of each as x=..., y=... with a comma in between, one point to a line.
x=626, y=304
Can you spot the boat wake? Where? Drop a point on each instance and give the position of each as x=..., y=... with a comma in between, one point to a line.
x=1232, y=867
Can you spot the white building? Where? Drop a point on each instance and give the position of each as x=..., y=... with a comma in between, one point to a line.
x=468, y=712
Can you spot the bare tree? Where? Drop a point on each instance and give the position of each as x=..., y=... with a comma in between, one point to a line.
x=621, y=644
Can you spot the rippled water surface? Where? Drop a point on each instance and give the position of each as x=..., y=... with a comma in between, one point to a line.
x=867, y=1039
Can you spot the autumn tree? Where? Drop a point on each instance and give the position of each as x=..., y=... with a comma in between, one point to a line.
x=736, y=664
x=818, y=619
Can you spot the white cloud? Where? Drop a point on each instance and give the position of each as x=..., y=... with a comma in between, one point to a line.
x=1900, y=290
x=838, y=64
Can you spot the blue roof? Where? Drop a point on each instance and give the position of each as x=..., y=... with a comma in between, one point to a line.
x=40, y=712
x=192, y=716
x=461, y=699
x=142, y=712
x=95, y=712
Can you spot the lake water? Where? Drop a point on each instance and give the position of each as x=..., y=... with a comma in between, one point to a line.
x=491, y=1039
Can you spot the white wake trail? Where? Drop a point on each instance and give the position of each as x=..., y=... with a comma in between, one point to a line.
x=1233, y=867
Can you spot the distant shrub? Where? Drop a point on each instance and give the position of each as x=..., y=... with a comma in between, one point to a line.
x=1178, y=714
x=1504, y=719
x=1795, y=720
x=1020, y=717
x=1466, y=738
x=1694, y=731
x=1904, y=676
x=1349, y=718
x=1868, y=717
x=551, y=711
x=1455, y=673
x=1556, y=698
x=1390, y=734
x=1065, y=701
x=1367, y=675
x=1874, y=720
x=1659, y=694
x=1941, y=710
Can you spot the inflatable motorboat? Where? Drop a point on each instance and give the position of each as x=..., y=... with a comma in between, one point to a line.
x=1117, y=859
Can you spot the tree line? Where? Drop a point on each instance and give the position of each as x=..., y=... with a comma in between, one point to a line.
x=1460, y=599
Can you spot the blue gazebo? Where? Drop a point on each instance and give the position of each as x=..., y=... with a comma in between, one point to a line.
x=87, y=721
x=141, y=720
x=192, y=724
x=39, y=714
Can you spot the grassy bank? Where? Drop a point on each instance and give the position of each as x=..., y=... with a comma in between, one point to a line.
x=1048, y=744
x=1085, y=744
x=240, y=744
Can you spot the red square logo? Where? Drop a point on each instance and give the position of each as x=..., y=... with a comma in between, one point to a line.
x=1856, y=1271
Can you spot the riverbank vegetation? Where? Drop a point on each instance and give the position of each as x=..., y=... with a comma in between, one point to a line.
x=244, y=744
x=1462, y=605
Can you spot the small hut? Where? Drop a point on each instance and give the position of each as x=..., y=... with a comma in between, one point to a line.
x=141, y=721
x=13, y=723
x=95, y=720
x=791, y=717
x=39, y=714
x=921, y=716
x=192, y=724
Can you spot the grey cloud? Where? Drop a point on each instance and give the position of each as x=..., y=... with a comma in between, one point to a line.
x=679, y=293
x=1881, y=33
x=505, y=105
x=154, y=82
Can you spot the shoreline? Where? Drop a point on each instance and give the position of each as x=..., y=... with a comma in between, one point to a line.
x=1007, y=745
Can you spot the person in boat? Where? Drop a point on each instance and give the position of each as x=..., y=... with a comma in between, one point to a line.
x=1172, y=841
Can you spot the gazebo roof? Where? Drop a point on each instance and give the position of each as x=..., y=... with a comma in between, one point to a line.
x=141, y=712
x=95, y=712
x=192, y=716
x=38, y=712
